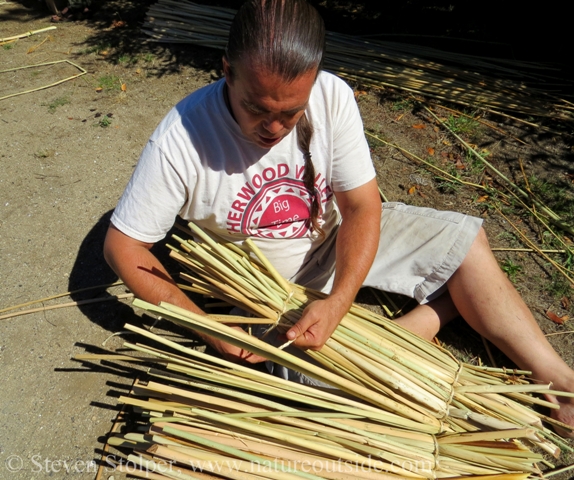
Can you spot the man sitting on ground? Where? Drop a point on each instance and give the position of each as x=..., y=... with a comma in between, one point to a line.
x=276, y=152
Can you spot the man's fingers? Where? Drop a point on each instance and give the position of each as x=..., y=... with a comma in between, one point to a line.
x=300, y=327
x=250, y=357
x=243, y=355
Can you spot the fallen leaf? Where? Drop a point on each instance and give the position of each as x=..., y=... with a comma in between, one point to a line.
x=459, y=165
x=565, y=302
x=555, y=318
x=138, y=71
x=446, y=142
x=103, y=53
x=436, y=129
x=70, y=118
x=124, y=88
x=422, y=194
x=99, y=89
x=431, y=151
x=482, y=199
x=412, y=190
x=419, y=126
x=118, y=24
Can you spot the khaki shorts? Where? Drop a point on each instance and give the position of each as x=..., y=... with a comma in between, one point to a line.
x=419, y=250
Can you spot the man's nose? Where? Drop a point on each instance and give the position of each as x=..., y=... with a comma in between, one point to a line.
x=273, y=125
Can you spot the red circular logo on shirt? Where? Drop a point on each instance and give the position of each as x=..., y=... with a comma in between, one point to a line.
x=279, y=210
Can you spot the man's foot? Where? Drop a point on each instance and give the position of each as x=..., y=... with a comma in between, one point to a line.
x=564, y=415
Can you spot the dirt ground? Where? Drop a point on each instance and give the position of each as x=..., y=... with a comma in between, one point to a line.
x=66, y=154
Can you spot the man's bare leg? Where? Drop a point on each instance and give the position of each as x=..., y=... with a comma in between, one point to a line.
x=489, y=303
x=426, y=320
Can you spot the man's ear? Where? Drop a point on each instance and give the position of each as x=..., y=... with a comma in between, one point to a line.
x=227, y=71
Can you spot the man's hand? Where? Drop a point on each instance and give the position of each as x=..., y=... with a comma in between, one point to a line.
x=317, y=324
x=233, y=353
x=357, y=242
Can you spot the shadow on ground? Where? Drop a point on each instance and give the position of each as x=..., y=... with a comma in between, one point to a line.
x=487, y=29
x=90, y=269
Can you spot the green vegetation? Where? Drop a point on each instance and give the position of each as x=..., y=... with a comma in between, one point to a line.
x=462, y=125
x=511, y=269
x=559, y=198
x=559, y=287
x=149, y=57
x=97, y=49
x=510, y=238
x=9, y=46
x=110, y=82
x=57, y=102
x=105, y=121
x=475, y=166
x=127, y=60
x=402, y=105
x=448, y=186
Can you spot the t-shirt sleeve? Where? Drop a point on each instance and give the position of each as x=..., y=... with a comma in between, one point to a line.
x=152, y=199
x=352, y=164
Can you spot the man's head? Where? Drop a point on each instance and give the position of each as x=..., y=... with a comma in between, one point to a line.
x=274, y=53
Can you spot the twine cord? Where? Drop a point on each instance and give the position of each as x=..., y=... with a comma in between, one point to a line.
x=279, y=315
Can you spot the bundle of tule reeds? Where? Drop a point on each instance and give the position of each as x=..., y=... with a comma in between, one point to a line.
x=490, y=84
x=401, y=407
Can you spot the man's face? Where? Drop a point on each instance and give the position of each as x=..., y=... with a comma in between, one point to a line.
x=264, y=105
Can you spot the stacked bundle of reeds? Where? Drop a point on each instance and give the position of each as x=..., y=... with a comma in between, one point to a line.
x=368, y=356
x=508, y=85
x=202, y=418
x=402, y=407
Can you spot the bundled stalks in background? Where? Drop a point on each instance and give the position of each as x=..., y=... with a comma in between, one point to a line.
x=496, y=85
x=401, y=407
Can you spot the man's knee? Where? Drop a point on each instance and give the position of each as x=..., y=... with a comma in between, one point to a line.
x=482, y=240
x=480, y=253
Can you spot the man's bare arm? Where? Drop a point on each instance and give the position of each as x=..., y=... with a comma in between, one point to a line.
x=147, y=278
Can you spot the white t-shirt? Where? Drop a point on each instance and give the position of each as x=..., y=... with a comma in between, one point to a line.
x=198, y=164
